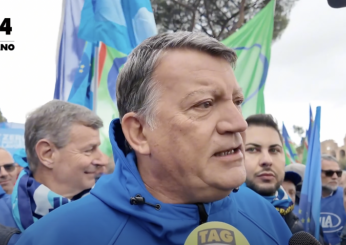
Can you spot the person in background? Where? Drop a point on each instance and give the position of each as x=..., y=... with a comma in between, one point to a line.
x=333, y=215
x=9, y=171
x=179, y=155
x=265, y=166
x=291, y=180
x=299, y=169
x=292, y=171
x=62, y=151
x=6, y=232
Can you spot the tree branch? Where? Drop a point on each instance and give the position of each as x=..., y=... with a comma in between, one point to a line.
x=208, y=20
x=223, y=27
x=193, y=22
x=183, y=5
x=241, y=16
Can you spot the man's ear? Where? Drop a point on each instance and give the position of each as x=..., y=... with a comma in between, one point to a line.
x=45, y=152
x=133, y=129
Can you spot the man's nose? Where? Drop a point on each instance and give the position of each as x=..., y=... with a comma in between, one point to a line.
x=266, y=159
x=232, y=120
x=101, y=159
x=334, y=176
x=3, y=171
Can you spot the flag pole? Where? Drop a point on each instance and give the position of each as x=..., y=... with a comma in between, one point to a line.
x=95, y=80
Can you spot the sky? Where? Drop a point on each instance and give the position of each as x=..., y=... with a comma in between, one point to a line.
x=307, y=64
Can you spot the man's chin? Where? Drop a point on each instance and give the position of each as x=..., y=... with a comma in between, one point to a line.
x=263, y=189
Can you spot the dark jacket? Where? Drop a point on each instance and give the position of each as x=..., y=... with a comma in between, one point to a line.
x=8, y=235
x=293, y=222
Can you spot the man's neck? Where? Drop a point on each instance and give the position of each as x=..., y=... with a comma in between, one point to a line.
x=160, y=186
x=46, y=178
x=326, y=192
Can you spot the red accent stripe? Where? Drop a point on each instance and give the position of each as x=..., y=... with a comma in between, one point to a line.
x=102, y=60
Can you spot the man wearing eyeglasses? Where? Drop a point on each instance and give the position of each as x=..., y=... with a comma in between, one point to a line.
x=9, y=171
x=333, y=215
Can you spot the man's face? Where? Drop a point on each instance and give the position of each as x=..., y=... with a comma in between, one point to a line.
x=264, y=160
x=330, y=182
x=77, y=164
x=290, y=189
x=8, y=171
x=197, y=141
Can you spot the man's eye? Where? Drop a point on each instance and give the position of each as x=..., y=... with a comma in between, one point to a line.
x=274, y=150
x=205, y=104
x=239, y=102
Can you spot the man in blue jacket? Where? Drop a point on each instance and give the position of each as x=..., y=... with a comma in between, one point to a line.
x=178, y=147
x=8, y=232
x=61, y=141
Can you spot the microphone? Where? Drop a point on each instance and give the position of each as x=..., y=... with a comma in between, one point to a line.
x=303, y=238
x=337, y=3
x=216, y=233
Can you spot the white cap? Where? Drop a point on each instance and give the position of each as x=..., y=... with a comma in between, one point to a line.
x=297, y=168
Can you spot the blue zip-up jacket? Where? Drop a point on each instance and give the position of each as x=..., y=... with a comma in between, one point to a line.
x=106, y=216
x=6, y=217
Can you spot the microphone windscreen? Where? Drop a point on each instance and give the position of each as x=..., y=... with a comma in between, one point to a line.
x=303, y=238
x=216, y=233
x=337, y=3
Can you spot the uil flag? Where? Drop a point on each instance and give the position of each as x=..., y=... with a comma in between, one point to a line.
x=120, y=26
x=253, y=45
x=310, y=197
x=70, y=51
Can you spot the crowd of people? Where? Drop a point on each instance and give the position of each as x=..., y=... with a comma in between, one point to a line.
x=183, y=155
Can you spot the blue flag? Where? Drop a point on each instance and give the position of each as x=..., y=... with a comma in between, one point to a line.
x=311, y=122
x=310, y=197
x=71, y=49
x=120, y=24
x=81, y=92
x=289, y=143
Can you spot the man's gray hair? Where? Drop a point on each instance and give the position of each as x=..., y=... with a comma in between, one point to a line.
x=328, y=157
x=53, y=122
x=136, y=90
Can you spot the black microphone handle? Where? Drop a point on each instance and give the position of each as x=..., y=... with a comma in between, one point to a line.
x=337, y=3
x=303, y=238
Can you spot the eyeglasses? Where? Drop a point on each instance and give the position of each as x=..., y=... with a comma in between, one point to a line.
x=330, y=173
x=9, y=167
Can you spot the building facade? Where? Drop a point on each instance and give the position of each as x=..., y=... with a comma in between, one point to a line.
x=332, y=148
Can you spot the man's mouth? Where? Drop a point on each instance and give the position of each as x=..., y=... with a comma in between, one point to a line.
x=266, y=176
x=231, y=151
x=3, y=182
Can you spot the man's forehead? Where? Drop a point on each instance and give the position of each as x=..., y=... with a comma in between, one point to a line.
x=254, y=134
x=330, y=164
x=5, y=157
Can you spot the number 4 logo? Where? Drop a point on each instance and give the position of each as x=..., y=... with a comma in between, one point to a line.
x=5, y=26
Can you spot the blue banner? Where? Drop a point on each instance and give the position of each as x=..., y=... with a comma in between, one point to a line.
x=12, y=136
